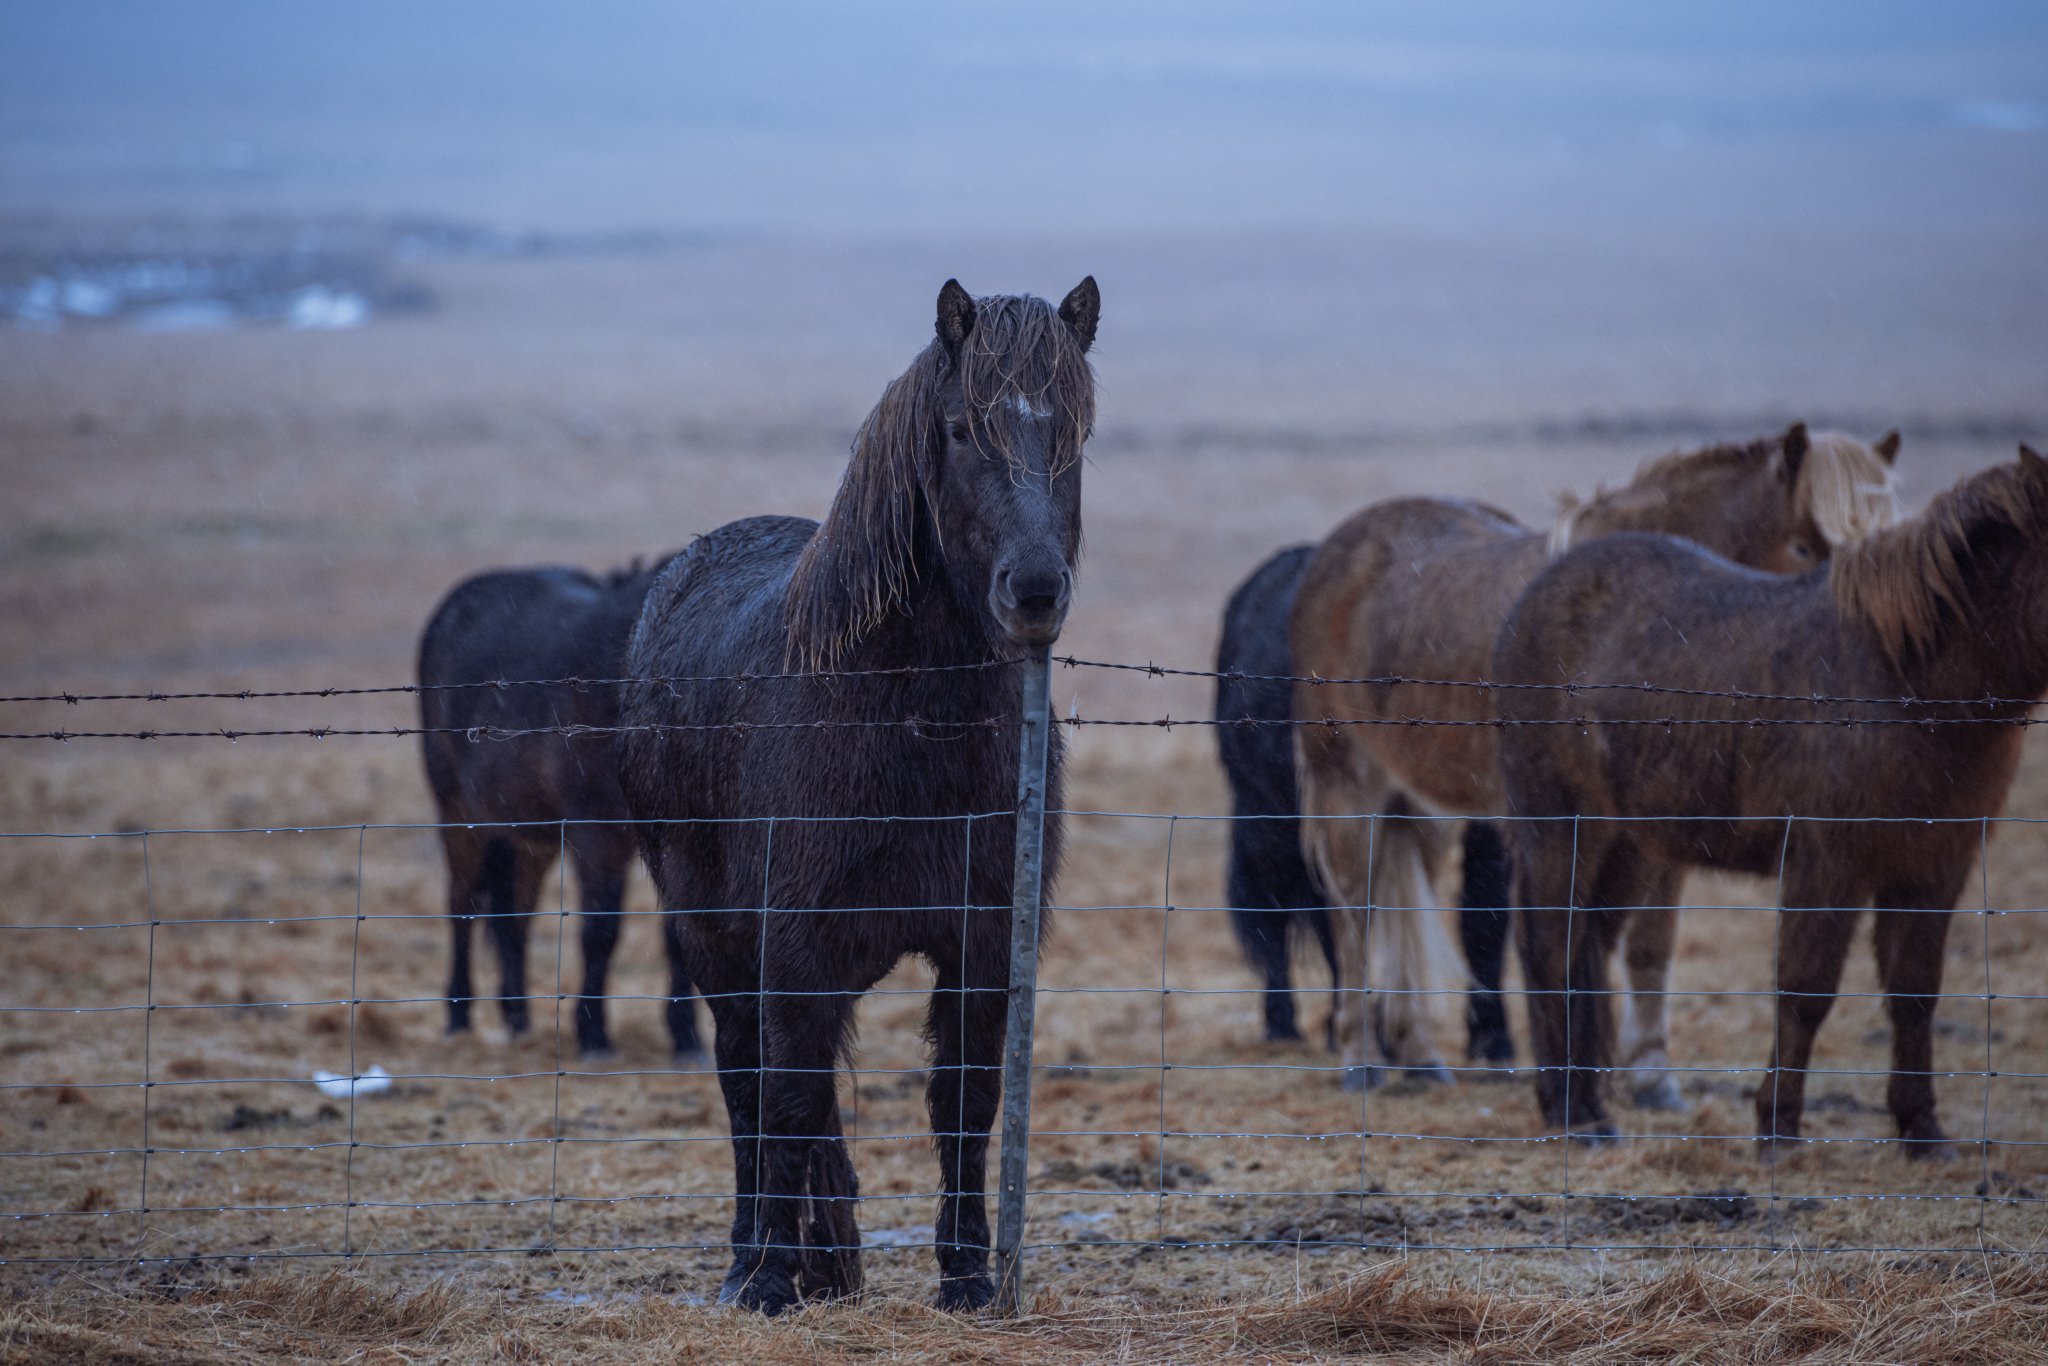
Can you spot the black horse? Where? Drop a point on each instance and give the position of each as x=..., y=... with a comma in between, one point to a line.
x=1273, y=892
x=527, y=624
x=807, y=832
x=1272, y=889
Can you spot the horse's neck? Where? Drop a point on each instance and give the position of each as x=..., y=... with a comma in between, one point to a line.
x=1677, y=504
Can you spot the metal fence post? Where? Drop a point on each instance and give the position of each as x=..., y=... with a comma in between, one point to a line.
x=1031, y=754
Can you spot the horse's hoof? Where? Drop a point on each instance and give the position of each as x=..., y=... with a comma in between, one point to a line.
x=1664, y=1095
x=596, y=1053
x=1436, y=1074
x=689, y=1059
x=1601, y=1134
x=1771, y=1147
x=1490, y=1047
x=965, y=1294
x=1928, y=1149
x=763, y=1289
x=1363, y=1078
x=454, y=1028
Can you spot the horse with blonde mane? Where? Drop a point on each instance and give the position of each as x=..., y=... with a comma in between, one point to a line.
x=1417, y=588
x=1875, y=786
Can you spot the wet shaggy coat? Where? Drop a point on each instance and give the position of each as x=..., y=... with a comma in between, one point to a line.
x=803, y=837
x=544, y=623
x=1952, y=604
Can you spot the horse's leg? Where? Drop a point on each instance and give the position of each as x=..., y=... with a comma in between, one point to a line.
x=1338, y=836
x=1407, y=945
x=1317, y=918
x=1263, y=933
x=807, y=1020
x=464, y=851
x=1484, y=920
x=602, y=854
x=686, y=1047
x=1564, y=967
x=736, y=1017
x=966, y=1032
x=1910, y=934
x=831, y=1258
x=512, y=876
x=1813, y=939
x=1645, y=1035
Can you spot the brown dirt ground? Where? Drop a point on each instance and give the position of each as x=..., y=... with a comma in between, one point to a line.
x=241, y=510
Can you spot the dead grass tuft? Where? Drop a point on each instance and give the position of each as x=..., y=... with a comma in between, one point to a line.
x=1686, y=1315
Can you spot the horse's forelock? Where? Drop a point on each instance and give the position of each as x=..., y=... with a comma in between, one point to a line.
x=1901, y=581
x=1020, y=364
x=1847, y=490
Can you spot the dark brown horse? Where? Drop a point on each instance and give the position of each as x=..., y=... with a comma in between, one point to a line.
x=1952, y=604
x=1418, y=588
x=808, y=832
x=503, y=804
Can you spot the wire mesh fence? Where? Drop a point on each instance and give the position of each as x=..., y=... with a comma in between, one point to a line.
x=230, y=1050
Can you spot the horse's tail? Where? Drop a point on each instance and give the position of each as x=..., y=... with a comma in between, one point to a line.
x=830, y=1264
x=1413, y=962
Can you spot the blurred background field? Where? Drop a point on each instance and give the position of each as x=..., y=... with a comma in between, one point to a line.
x=311, y=316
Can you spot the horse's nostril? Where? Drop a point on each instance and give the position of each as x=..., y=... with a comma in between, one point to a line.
x=1039, y=604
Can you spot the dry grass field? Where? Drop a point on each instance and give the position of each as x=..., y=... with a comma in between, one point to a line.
x=283, y=511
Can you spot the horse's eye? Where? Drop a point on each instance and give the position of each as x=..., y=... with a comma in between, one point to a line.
x=958, y=433
x=1802, y=550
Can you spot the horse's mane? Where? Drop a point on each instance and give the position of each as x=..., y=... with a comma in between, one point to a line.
x=1902, y=581
x=1843, y=485
x=1019, y=356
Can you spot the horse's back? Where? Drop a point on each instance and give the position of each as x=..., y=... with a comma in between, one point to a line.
x=1639, y=607
x=1413, y=588
x=515, y=625
x=716, y=608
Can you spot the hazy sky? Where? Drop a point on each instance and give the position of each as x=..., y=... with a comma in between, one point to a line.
x=1052, y=117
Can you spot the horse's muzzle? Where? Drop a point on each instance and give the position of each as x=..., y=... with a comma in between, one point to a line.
x=1030, y=601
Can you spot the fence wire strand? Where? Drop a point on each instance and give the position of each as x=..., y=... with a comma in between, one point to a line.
x=158, y=1242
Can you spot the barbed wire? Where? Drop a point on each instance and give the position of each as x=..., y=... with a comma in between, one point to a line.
x=499, y=684
x=478, y=734
x=1069, y=661
x=1484, y=685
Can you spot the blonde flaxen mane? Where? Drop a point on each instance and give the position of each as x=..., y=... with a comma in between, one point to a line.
x=1848, y=488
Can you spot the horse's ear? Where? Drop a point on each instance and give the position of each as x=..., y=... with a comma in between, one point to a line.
x=1795, y=450
x=1887, y=447
x=1081, y=309
x=2031, y=462
x=956, y=317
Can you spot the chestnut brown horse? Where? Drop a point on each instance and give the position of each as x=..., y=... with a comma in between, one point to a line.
x=1418, y=588
x=1609, y=814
